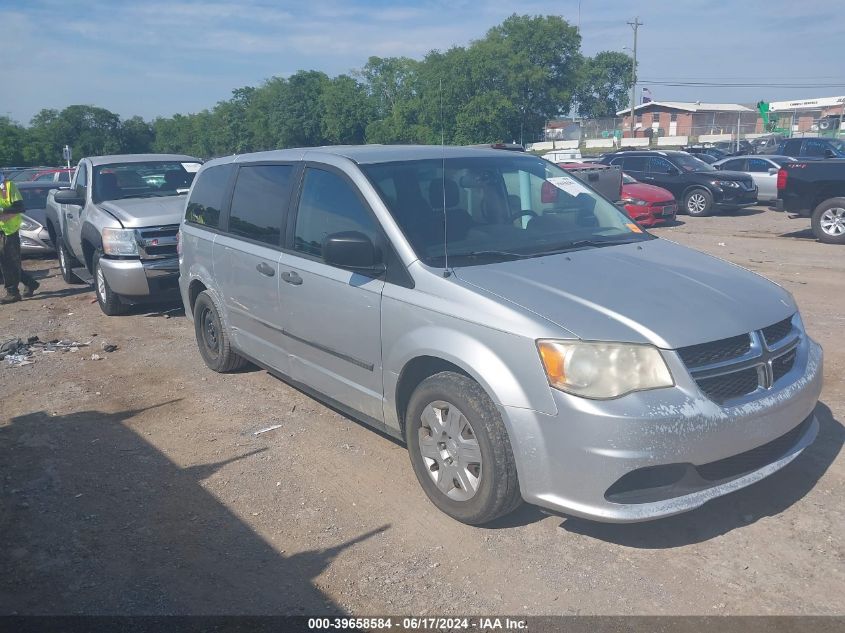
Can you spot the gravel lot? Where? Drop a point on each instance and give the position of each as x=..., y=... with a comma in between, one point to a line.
x=136, y=484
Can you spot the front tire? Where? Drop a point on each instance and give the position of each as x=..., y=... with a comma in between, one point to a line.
x=212, y=339
x=110, y=302
x=828, y=221
x=698, y=203
x=66, y=262
x=460, y=451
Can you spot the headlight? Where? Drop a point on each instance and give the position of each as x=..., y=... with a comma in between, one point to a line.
x=603, y=370
x=28, y=224
x=636, y=201
x=119, y=242
x=726, y=183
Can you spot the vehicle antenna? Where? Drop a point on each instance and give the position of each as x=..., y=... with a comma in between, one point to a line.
x=446, y=271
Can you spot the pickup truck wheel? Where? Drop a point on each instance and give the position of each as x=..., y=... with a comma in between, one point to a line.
x=212, y=338
x=66, y=262
x=459, y=449
x=110, y=302
x=698, y=203
x=828, y=221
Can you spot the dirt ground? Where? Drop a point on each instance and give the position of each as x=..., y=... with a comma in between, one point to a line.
x=136, y=484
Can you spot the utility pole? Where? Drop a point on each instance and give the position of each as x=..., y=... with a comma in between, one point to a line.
x=636, y=24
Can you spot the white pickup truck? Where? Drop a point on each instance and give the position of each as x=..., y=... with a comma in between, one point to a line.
x=116, y=225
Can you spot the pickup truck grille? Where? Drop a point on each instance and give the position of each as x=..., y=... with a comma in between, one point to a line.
x=738, y=366
x=157, y=242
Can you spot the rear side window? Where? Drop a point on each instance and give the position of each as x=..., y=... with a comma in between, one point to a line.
x=758, y=165
x=813, y=147
x=634, y=163
x=657, y=165
x=792, y=147
x=207, y=197
x=328, y=205
x=260, y=202
x=736, y=165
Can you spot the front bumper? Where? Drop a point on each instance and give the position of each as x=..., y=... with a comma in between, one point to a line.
x=734, y=198
x=142, y=278
x=653, y=214
x=36, y=242
x=571, y=462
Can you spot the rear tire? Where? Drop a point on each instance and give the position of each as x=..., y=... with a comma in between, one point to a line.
x=212, y=339
x=460, y=451
x=110, y=302
x=66, y=262
x=828, y=221
x=698, y=203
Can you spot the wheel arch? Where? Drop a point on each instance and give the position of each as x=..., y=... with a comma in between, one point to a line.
x=92, y=241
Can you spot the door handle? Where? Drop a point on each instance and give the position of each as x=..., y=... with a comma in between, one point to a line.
x=265, y=269
x=292, y=278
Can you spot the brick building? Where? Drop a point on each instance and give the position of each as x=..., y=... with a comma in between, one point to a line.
x=679, y=118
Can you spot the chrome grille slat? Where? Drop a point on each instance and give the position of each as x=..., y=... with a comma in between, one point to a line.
x=157, y=242
x=738, y=370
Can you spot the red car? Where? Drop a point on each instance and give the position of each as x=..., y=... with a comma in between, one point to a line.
x=646, y=204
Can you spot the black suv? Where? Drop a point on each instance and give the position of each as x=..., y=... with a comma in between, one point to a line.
x=696, y=185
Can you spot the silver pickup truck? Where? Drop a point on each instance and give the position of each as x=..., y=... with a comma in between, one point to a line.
x=116, y=225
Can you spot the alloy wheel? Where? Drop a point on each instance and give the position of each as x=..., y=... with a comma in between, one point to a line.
x=832, y=221
x=450, y=450
x=696, y=203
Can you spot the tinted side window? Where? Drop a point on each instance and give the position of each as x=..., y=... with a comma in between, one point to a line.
x=813, y=147
x=81, y=179
x=207, y=197
x=734, y=165
x=792, y=147
x=328, y=205
x=657, y=165
x=634, y=163
x=260, y=202
x=759, y=165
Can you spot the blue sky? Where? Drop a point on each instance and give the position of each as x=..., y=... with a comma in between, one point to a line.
x=160, y=57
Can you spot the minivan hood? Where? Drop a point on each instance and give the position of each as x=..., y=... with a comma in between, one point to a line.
x=140, y=212
x=648, y=292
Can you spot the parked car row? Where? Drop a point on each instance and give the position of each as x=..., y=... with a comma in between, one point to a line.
x=520, y=333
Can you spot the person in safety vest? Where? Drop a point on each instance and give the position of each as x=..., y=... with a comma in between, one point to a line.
x=11, y=207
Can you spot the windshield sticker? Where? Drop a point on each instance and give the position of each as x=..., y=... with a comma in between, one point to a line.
x=191, y=168
x=634, y=228
x=569, y=185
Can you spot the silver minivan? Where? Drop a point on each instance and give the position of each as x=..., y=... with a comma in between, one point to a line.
x=520, y=334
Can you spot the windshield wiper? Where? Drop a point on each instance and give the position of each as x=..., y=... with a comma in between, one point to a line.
x=499, y=254
x=581, y=243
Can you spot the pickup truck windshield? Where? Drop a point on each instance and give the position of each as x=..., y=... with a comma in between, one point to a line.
x=496, y=209
x=142, y=180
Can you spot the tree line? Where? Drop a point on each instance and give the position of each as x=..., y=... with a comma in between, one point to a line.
x=502, y=87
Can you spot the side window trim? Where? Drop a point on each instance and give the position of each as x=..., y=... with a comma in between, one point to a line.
x=396, y=273
x=230, y=195
x=226, y=201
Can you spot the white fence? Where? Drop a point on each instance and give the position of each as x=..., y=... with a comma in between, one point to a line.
x=672, y=140
x=712, y=138
x=604, y=142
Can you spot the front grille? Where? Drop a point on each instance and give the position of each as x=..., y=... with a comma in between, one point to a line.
x=778, y=331
x=157, y=242
x=728, y=386
x=715, y=351
x=783, y=364
x=740, y=365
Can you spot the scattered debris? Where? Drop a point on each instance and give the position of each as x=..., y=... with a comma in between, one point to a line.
x=19, y=353
x=107, y=346
x=269, y=428
x=722, y=244
x=96, y=357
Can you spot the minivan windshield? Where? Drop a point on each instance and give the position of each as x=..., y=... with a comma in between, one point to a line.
x=496, y=209
x=142, y=180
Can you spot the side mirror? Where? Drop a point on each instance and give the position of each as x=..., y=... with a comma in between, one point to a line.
x=351, y=249
x=673, y=171
x=68, y=196
x=829, y=153
x=773, y=171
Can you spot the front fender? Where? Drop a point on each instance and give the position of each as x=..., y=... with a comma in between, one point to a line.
x=506, y=365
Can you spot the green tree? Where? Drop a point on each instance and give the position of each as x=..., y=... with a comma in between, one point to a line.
x=136, y=136
x=13, y=138
x=347, y=110
x=604, y=85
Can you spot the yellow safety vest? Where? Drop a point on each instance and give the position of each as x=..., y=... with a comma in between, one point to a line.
x=9, y=194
